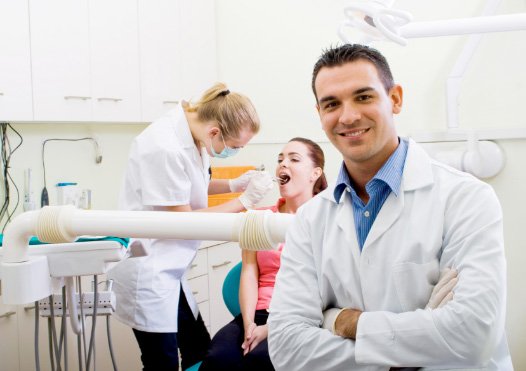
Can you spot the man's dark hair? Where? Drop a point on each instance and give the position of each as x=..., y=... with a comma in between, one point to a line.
x=338, y=56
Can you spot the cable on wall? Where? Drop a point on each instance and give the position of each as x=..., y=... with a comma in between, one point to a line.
x=6, y=153
x=44, y=198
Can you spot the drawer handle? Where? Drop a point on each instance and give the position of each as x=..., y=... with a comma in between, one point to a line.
x=170, y=102
x=195, y=292
x=222, y=264
x=193, y=266
x=7, y=314
x=1, y=93
x=110, y=99
x=31, y=307
x=76, y=97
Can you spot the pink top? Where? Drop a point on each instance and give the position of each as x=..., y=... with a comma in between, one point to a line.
x=268, y=265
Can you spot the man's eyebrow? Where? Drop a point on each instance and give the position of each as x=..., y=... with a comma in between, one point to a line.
x=363, y=90
x=326, y=99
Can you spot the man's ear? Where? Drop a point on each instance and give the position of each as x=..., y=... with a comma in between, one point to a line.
x=396, y=94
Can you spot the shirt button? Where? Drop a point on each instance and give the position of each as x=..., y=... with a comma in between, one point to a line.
x=367, y=214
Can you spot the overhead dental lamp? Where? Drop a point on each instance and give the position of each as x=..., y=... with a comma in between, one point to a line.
x=376, y=20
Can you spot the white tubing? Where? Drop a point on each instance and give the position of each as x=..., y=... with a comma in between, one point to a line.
x=463, y=26
x=64, y=223
x=72, y=305
x=17, y=235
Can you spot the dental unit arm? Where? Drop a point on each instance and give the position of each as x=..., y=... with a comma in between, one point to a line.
x=27, y=278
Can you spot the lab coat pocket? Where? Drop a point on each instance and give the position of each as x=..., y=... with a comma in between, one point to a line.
x=414, y=283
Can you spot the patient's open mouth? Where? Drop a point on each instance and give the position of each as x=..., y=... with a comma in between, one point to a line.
x=283, y=179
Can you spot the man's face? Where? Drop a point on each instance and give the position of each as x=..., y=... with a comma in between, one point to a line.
x=357, y=113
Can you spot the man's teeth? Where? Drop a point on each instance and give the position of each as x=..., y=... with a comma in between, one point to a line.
x=354, y=133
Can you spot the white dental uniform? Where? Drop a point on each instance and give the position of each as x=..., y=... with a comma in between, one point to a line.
x=164, y=169
x=441, y=218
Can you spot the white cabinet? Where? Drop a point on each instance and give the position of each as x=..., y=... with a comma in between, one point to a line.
x=85, y=63
x=8, y=337
x=178, y=52
x=115, y=71
x=60, y=60
x=15, y=67
x=206, y=276
x=160, y=56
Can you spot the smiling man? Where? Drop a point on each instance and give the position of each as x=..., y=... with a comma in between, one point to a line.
x=375, y=244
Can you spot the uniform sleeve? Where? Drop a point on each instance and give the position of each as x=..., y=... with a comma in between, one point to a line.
x=466, y=331
x=164, y=180
x=296, y=341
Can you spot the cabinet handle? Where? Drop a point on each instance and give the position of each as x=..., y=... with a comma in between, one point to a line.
x=170, y=102
x=76, y=97
x=1, y=93
x=222, y=264
x=7, y=314
x=110, y=99
x=29, y=308
x=193, y=266
x=195, y=292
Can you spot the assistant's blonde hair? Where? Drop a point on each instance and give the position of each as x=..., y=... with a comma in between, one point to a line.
x=232, y=111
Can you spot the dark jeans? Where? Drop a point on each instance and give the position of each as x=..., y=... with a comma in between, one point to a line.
x=225, y=351
x=159, y=350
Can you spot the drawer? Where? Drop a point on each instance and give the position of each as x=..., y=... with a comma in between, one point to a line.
x=199, y=287
x=223, y=257
x=199, y=265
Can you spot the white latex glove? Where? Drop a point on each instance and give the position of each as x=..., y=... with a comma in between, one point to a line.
x=443, y=290
x=240, y=183
x=258, y=186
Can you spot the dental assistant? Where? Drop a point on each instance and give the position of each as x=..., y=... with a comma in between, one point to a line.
x=169, y=170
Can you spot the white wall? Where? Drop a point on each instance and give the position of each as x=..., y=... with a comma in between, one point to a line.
x=267, y=49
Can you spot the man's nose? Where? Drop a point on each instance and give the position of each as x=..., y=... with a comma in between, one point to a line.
x=349, y=114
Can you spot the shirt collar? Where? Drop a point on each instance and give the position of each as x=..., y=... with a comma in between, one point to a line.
x=390, y=173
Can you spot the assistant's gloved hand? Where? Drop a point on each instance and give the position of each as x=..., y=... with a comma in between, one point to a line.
x=240, y=183
x=258, y=186
x=443, y=290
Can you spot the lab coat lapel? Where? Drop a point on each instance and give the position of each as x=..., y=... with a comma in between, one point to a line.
x=345, y=222
x=417, y=174
x=389, y=213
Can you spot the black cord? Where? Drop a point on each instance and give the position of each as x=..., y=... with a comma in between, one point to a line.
x=59, y=140
x=6, y=153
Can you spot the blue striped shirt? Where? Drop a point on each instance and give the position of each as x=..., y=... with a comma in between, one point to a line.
x=388, y=179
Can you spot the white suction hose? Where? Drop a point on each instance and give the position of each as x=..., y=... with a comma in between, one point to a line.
x=72, y=305
x=26, y=278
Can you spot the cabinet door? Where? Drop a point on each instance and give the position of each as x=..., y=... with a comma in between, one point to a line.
x=15, y=70
x=8, y=337
x=221, y=258
x=114, y=49
x=197, y=46
x=60, y=60
x=160, y=54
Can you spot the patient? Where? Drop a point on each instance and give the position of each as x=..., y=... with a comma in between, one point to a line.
x=242, y=343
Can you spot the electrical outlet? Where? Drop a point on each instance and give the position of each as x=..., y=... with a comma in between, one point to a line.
x=105, y=304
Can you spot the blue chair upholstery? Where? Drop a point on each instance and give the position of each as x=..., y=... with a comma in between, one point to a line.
x=194, y=367
x=231, y=289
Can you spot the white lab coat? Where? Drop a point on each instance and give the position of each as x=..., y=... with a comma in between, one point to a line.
x=441, y=218
x=164, y=169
